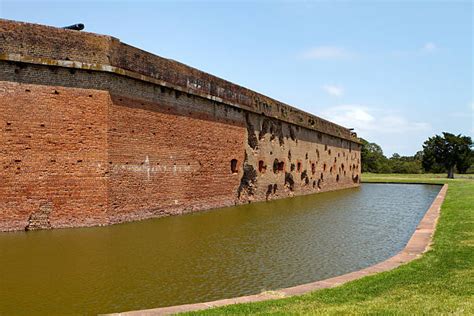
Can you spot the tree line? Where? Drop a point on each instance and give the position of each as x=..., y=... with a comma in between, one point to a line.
x=441, y=153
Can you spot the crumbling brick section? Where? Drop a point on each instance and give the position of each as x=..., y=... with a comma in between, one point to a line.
x=40, y=219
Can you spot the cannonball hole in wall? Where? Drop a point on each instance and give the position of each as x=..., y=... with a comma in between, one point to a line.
x=355, y=179
x=306, y=180
x=233, y=166
x=337, y=178
x=269, y=190
x=275, y=165
x=298, y=166
x=281, y=166
x=313, y=168
x=261, y=166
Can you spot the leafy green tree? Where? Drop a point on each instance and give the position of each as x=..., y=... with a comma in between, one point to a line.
x=419, y=155
x=449, y=151
x=373, y=159
x=465, y=162
x=429, y=163
x=404, y=164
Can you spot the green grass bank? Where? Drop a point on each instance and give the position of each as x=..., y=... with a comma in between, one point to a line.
x=440, y=282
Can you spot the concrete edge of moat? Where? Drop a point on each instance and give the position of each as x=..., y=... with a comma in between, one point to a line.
x=419, y=243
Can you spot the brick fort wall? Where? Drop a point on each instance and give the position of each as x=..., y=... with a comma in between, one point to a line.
x=96, y=132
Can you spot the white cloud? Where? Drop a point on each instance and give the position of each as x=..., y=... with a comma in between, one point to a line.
x=394, y=132
x=326, y=52
x=429, y=47
x=369, y=121
x=333, y=90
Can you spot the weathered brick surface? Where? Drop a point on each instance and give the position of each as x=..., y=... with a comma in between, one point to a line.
x=163, y=162
x=289, y=159
x=76, y=157
x=81, y=147
x=53, y=156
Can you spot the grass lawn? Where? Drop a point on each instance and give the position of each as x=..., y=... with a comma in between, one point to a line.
x=440, y=282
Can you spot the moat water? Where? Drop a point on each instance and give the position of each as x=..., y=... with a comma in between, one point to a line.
x=207, y=256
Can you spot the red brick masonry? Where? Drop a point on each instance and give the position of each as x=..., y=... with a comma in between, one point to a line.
x=96, y=132
x=418, y=244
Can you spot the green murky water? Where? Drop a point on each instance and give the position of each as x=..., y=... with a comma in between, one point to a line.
x=207, y=256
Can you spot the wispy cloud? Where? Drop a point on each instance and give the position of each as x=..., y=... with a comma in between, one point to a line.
x=333, y=90
x=429, y=47
x=326, y=52
x=369, y=121
x=393, y=131
x=425, y=49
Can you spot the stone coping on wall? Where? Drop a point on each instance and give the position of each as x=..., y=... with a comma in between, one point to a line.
x=56, y=47
x=419, y=243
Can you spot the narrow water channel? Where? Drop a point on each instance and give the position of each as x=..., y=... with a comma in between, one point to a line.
x=210, y=255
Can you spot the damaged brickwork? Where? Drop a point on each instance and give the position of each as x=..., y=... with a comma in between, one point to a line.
x=40, y=219
x=298, y=160
x=96, y=132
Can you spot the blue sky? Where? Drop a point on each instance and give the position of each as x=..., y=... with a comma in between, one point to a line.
x=396, y=71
